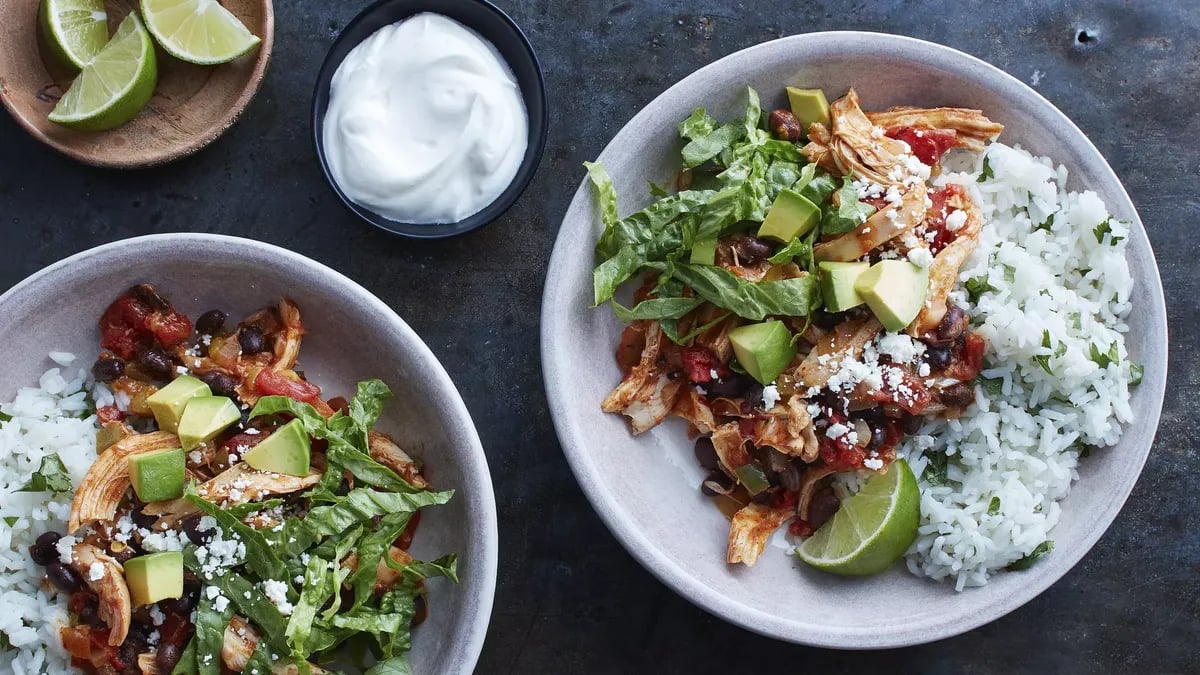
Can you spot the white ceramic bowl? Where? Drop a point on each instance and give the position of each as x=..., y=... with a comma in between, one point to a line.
x=352, y=336
x=645, y=488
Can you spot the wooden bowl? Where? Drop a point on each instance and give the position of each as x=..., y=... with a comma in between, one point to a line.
x=191, y=107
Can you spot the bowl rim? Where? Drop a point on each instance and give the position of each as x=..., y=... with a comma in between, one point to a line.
x=118, y=160
x=539, y=126
x=474, y=464
x=621, y=523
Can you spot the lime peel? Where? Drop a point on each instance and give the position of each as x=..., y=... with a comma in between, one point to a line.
x=871, y=529
x=197, y=31
x=115, y=85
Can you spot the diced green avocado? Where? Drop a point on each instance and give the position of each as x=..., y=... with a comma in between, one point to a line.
x=763, y=349
x=895, y=291
x=168, y=403
x=159, y=475
x=808, y=105
x=837, y=284
x=791, y=216
x=286, y=450
x=704, y=252
x=154, y=577
x=753, y=478
x=204, y=418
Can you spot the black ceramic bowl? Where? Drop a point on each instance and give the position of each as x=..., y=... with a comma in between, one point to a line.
x=494, y=26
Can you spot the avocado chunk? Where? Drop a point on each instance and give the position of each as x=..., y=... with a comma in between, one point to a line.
x=168, y=403
x=204, y=418
x=704, y=252
x=895, y=291
x=808, y=105
x=791, y=216
x=837, y=284
x=284, y=451
x=159, y=475
x=763, y=349
x=154, y=577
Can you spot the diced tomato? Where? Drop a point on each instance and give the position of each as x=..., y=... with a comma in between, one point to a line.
x=786, y=500
x=109, y=413
x=272, y=383
x=700, y=363
x=928, y=145
x=973, y=354
x=935, y=216
x=243, y=441
x=800, y=528
x=910, y=395
x=339, y=403
x=129, y=323
x=839, y=454
x=629, y=349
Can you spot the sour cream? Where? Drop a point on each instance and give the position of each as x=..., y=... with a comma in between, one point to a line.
x=425, y=123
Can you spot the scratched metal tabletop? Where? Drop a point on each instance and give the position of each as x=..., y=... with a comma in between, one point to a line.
x=570, y=599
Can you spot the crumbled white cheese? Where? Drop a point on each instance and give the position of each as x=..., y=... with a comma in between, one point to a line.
x=900, y=347
x=171, y=540
x=276, y=592
x=220, y=604
x=66, y=549
x=770, y=396
x=921, y=257
x=873, y=463
x=923, y=370
x=182, y=370
x=956, y=220
x=96, y=571
x=157, y=616
x=254, y=432
x=195, y=457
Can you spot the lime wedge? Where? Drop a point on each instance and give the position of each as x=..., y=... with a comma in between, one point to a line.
x=197, y=31
x=75, y=30
x=115, y=85
x=872, y=529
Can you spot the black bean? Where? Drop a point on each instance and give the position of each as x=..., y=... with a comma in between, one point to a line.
x=191, y=527
x=827, y=320
x=751, y=249
x=343, y=488
x=63, y=577
x=89, y=614
x=108, y=368
x=732, y=386
x=210, y=322
x=790, y=478
x=155, y=361
x=937, y=357
x=183, y=605
x=823, y=505
x=346, y=598
x=718, y=480
x=251, y=339
x=912, y=424
x=765, y=497
x=958, y=395
x=149, y=296
x=42, y=551
x=167, y=657
x=878, y=435
x=142, y=519
x=953, y=323
x=127, y=653
x=706, y=453
x=221, y=383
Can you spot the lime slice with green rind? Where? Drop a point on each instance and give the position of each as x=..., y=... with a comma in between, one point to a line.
x=871, y=529
x=115, y=85
x=197, y=31
x=74, y=30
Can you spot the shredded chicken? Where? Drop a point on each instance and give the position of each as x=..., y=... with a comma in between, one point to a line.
x=853, y=146
x=287, y=342
x=731, y=447
x=385, y=451
x=116, y=609
x=147, y=662
x=943, y=271
x=716, y=339
x=883, y=226
x=808, y=486
x=847, y=340
x=646, y=394
x=750, y=529
x=104, y=485
x=972, y=129
x=691, y=406
x=788, y=429
x=239, y=484
x=241, y=639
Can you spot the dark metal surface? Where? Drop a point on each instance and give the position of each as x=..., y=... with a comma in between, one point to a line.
x=569, y=599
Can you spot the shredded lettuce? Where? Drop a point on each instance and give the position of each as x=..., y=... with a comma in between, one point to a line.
x=397, y=665
x=371, y=549
x=320, y=579
x=445, y=566
x=657, y=308
x=260, y=558
x=848, y=214
x=755, y=301
x=210, y=634
x=250, y=601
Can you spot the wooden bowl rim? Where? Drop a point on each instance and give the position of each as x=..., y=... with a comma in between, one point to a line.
x=171, y=153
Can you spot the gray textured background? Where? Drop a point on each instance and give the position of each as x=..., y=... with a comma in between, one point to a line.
x=570, y=600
